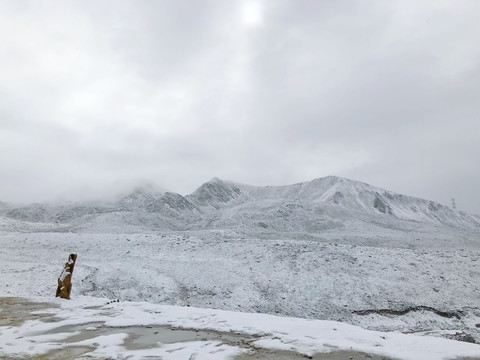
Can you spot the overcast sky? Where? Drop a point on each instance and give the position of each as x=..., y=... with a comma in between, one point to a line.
x=96, y=96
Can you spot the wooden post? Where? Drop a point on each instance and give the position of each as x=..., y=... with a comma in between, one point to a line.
x=64, y=287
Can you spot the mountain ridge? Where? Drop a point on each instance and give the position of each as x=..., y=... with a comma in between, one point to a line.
x=315, y=206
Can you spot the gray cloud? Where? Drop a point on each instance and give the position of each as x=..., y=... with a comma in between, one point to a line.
x=262, y=92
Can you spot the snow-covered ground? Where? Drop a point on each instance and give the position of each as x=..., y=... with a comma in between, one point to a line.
x=330, y=249
x=95, y=328
x=427, y=289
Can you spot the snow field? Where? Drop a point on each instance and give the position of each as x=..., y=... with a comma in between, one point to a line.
x=307, y=279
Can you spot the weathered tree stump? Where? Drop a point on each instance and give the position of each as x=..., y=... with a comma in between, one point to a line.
x=64, y=287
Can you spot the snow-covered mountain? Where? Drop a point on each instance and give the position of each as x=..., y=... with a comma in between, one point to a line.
x=321, y=205
x=331, y=249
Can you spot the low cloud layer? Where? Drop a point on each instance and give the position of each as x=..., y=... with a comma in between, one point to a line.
x=97, y=96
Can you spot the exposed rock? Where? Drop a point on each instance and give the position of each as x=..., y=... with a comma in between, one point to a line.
x=381, y=206
x=386, y=312
x=338, y=197
x=461, y=336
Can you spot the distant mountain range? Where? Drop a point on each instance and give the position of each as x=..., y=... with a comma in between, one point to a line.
x=322, y=205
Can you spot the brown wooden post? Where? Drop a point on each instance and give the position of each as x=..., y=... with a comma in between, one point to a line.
x=64, y=287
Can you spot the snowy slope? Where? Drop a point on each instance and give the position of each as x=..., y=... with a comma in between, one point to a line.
x=315, y=207
x=220, y=269
x=341, y=193
x=321, y=206
x=8, y=225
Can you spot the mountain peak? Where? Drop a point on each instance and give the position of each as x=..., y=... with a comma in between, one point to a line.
x=313, y=206
x=215, y=193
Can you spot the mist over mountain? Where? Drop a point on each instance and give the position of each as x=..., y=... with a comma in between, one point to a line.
x=323, y=205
